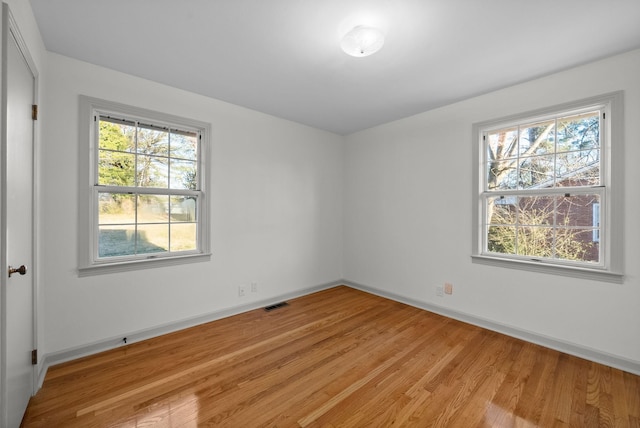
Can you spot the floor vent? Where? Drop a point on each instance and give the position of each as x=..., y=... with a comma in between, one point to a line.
x=276, y=306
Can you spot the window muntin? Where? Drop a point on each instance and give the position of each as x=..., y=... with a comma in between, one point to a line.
x=543, y=182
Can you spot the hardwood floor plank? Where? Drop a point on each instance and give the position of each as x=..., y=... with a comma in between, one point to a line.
x=557, y=407
x=469, y=405
x=537, y=390
x=503, y=409
x=631, y=386
x=339, y=357
x=620, y=410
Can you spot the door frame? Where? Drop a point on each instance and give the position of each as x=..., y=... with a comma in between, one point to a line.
x=9, y=29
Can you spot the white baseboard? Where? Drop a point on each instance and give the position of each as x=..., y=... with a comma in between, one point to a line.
x=549, y=342
x=539, y=339
x=54, y=358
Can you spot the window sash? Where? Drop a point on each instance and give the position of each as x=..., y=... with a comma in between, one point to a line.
x=520, y=156
x=601, y=193
x=136, y=153
x=135, y=224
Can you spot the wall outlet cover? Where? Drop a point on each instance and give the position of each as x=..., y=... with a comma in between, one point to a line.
x=448, y=288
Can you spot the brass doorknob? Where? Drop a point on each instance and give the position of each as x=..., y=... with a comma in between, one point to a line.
x=21, y=270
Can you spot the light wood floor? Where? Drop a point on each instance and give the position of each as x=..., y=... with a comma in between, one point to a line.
x=339, y=357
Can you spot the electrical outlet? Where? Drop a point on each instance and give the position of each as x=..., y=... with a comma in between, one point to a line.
x=439, y=291
x=242, y=291
x=254, y=287
x=448, y=288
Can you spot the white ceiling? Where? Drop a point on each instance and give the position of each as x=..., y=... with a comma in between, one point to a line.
x=283, y=57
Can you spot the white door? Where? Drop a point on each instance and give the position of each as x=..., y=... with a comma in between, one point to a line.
x=17, y=334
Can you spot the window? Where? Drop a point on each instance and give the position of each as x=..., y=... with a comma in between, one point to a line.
x=547, y=192
x=144, y=174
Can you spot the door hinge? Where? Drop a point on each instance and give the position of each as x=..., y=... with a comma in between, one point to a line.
x=34, y=112
x=34, y=357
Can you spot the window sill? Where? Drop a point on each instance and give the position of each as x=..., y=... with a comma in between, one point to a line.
x=106, y=268
x=531, y=266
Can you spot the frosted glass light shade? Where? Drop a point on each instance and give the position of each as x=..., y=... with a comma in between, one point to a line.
x=362, y=41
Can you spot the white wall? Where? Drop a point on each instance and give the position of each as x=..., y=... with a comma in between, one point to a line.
x=276, y=212
x=408, y=217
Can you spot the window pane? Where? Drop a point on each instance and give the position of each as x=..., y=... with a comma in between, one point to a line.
x=577, y=210
x=183, y=236
x=153, y=209
x=183, y=175
x=116, y=168
x=534, y=234
x=152, y=238
x=537, y=138
x=535, y=241
x=183, y=209
x=580, y=168
x=536, y=210
x=502, y=210
x=116, y=208
x=579, y=132
x=576, y=245
x=501, y=239
x=536, y=172
x=184, y=145
x=502, y=144
x=116, y=218
x=502, y=175
x=152, y=171
x=115, y=163
x=117, y=135
x=152, y=141
x=116, y=241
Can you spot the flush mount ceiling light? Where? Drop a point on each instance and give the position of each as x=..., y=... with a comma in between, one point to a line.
x=362, y=41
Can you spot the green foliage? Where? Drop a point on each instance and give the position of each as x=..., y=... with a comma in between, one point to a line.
x=117, y=164
x=537, y=239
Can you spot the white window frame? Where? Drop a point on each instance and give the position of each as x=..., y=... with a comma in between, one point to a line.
x=610, y=267
x=88, y=261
